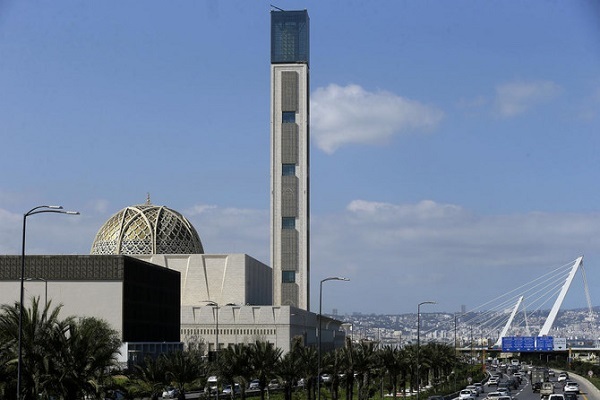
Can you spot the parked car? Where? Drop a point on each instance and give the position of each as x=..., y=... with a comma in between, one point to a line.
x=236, y=389
x=274, y=384
x=571, y=387
x=170, y=393
x=254, y=385
x=326, y=378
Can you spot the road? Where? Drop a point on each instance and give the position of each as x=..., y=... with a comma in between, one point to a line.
x=524, y=392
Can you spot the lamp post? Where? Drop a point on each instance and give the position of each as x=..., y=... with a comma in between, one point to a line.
x=419, y=343
x=215, y=306
x=331, y=278
x=33, y=211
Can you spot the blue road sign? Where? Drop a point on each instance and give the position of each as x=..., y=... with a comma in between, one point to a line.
x=527, y=343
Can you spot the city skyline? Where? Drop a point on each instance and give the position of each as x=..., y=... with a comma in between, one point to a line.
x=453, y=156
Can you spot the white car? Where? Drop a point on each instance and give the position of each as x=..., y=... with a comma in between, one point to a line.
x=170, y=393
x=474, y=389
x=562, y=376
x=466, y=394
x=479, y=387
x=494, y=395
x=492, y=381
x=571, y=387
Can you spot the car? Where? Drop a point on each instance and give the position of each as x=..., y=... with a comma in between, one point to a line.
x=556, y=396
x=480, y=387
x=563, y=376
x=550, y=373
x=571, y=387
x=494, y=395
x=466, y=394
x=274, y=384
x=504, y=390
x=254, y=384
x=474, y=389
x=504, y=398
x=170, y=393
x=493, y=381
x=435, y=397
x=326, y=378
x=236, y=389
x=570, y=396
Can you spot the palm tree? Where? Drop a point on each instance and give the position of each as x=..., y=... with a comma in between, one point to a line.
x=89, y=347
x=364, y=361
x=182, y=368
x=308, y=365
x=390, y=359
x=334, y=364
x=264, y=357
x=287, y=372
x=39, y=328
x=234, y=367
x=151, y=377
x=348, y=353
x=62, y=358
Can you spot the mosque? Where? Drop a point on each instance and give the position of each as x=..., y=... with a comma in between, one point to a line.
x=148, y=275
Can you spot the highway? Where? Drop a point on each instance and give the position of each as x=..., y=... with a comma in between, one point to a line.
x=524, y=391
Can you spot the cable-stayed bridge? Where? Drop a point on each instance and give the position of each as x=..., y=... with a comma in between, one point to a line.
x=523, y=313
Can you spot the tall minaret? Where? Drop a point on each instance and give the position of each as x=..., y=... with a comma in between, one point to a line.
x=290, y=255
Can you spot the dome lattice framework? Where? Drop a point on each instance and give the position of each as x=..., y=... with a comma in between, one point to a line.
x=147, y=229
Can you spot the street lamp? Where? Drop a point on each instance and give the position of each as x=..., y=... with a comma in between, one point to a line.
x=331, y=278
x=33, y=211
x=215, y=306
x=419, y=343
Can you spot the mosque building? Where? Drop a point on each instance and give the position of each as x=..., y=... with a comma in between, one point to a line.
x=148, y=274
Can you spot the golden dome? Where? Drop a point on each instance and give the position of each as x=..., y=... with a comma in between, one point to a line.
x=147, y=229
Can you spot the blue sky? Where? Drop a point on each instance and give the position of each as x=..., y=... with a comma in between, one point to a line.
x=454, y=144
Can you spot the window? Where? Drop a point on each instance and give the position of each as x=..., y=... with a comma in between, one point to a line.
x=288, y=222
x=288, y=117
x=288, y=169
x=288, y=276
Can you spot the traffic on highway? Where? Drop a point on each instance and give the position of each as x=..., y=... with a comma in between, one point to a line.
x=526, y=382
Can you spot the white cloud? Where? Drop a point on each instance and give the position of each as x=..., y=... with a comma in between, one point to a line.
x=395, y=252
x=343, y=115
x=517, y=97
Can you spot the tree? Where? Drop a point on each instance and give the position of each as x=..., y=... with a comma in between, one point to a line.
x=263, y=359
x=309, y=364
x=234, y=367
x=182, y=368
x=89, y=348
x=61, y=358
x=151, y=377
